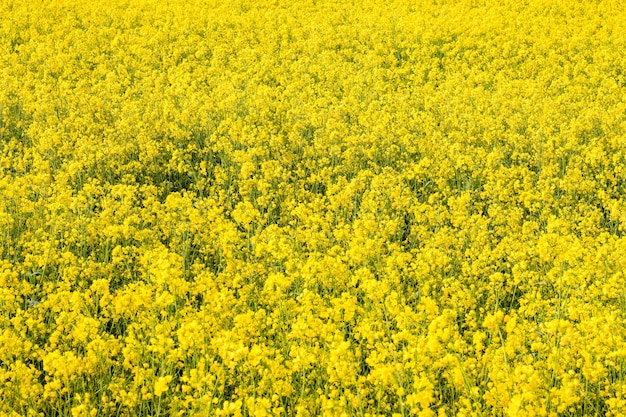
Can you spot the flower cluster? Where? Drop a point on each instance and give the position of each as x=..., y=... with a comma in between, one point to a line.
x=312, y=207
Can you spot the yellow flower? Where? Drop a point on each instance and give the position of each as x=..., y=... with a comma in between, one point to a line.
x=161, y=385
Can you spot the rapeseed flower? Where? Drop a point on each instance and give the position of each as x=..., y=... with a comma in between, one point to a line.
x=312, y=208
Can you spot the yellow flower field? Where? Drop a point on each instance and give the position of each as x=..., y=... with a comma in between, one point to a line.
x=312, y=208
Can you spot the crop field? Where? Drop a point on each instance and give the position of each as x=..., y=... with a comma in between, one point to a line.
x=312, y=208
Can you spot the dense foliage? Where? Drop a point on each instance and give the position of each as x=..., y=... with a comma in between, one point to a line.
x=312, y=207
